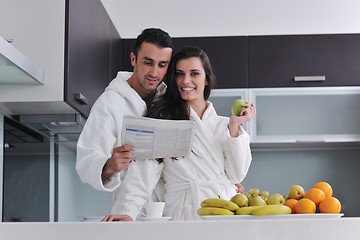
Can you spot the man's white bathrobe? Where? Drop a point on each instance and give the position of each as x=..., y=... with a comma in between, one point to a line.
x=102, y=131
x=216, y=162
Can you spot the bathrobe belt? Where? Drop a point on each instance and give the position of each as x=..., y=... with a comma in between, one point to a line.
x=195, y=185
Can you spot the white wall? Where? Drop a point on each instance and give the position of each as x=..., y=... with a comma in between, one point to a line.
x=189, y=18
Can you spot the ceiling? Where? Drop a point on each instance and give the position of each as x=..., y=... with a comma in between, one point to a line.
x=195, y=18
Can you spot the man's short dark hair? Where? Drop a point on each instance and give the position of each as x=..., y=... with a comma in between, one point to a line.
x=155, y=36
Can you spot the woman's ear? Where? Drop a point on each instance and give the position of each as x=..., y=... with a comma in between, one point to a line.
x=133, y=59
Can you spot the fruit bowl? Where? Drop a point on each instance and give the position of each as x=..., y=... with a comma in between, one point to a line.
x=280, y=216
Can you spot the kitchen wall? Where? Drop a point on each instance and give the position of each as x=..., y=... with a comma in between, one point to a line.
x=235, y=17
x=277, y=171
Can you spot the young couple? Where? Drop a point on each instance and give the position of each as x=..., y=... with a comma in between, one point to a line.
x=220, y=155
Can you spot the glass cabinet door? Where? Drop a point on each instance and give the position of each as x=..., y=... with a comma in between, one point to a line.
x=222, y=99
x=327, y=114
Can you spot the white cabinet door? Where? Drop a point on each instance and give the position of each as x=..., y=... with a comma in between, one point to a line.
x=222, y=99
x=327, y=114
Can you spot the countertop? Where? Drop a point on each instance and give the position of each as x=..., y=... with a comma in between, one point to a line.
x=338, y=228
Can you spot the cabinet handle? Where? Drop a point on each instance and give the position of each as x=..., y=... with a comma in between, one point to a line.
x=81, y=99
x=309, y=78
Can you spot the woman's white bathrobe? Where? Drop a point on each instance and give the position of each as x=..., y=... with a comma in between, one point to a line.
x=102, y=131
x=216, y=162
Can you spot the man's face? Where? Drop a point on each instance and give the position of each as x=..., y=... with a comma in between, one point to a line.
x=150, y=66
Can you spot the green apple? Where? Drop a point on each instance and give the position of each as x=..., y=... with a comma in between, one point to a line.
x=296, y=192
x=275, y=199
x=257, y=201
x=236, y=107
x=241, y=200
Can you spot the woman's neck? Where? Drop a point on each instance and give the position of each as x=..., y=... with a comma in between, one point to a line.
x=198, y=107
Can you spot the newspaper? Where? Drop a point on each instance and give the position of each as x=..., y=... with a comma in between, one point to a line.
x=157, y=138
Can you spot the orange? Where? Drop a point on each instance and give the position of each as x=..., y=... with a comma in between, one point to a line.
x=330, y=205
x=325, y=187
x=305, y=205
x=315, y=195
x=291, y=204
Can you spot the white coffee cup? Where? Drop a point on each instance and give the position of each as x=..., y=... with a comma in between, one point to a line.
x=153, y=209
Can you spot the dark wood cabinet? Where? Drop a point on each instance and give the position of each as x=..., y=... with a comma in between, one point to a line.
x=227, y=55
x=93, y=53
x=274, y=61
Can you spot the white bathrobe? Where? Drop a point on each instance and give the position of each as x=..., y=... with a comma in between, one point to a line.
x=102, y=131
x=216, y=162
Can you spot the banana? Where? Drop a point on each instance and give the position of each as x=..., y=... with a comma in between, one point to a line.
x=246, y=210
x=221, y=203
x=214, y=211
x=271, y=210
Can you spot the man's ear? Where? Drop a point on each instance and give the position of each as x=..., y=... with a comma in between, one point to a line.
x=133, y=59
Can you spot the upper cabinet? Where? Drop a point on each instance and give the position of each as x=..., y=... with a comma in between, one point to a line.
x=305, y=115
x=93, y=52
x=74, y=42
x=304, y=60
x=227, y=56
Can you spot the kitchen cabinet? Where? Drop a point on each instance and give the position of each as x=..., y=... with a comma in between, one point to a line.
x=328, y=60
x=74, y=42
x=227, y=55
x=92, y=53
x=305, y=115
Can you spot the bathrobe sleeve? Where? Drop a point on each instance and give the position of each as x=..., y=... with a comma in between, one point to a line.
x=97, y=141
x=137, y=187
x=237, y=156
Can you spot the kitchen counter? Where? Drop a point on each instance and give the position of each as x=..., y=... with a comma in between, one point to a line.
x=339, y=228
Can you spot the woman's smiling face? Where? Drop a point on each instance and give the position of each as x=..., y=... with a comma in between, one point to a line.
x=191, y=79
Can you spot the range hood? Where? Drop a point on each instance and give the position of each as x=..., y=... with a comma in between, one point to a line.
x=58, y=127
x=15, y=68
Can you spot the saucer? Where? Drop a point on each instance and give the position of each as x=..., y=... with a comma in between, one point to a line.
x=154, y=219
x=92, y=218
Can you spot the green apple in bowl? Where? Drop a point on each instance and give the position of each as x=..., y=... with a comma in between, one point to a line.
x=236, y=107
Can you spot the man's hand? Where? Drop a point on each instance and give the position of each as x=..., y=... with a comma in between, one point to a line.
x=117, y=218
x=240, y=188
x=119, y=160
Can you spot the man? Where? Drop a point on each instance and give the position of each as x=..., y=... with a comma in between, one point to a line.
x=101, y=157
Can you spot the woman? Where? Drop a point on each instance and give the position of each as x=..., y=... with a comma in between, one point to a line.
x=220, y=155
